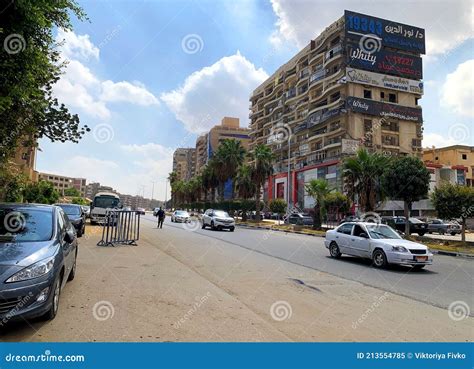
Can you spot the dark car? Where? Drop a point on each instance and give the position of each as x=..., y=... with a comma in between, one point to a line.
x=38, y=252
x=443, y=226
x=76, y=215
x=300, y=219
x=350, y=218
x=398, y=223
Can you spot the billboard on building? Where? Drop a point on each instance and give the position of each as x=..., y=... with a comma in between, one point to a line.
x=384, y=81
x=364, y=28
x=384, y=110
x=384, y=61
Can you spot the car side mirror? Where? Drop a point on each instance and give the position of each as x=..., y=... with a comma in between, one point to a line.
x=69, y=236
x=364, y=235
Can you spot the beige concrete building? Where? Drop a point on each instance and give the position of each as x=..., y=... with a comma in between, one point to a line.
x=184, y=163
x=207, y=144
x=24, y=160
x=61, y=183
x=454, y=164
x=334, y=96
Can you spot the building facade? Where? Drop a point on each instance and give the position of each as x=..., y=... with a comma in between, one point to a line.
x=454, y=164
x=62, y=183
x=24, y=159
x=208, y=143
x=358, y=84
x=184, y=163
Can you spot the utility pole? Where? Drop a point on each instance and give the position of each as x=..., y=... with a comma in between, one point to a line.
x=166, y=191
x=289, y=174
x=152, y=189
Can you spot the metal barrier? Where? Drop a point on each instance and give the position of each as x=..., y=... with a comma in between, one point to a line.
x=120, y=227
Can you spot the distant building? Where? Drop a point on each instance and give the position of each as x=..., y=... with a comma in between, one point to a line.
x=454, y=164
x=184, y=163
x=24, y=159
x=93, y=188
x=61, y=183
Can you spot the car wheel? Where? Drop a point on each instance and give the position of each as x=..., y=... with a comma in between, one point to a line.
x=334, y=250
x=453, y=233
x=72, y=274
x=212, y=225
x=418, y=267
x=379, y=258
x=232, y=229
x=421, y=234
x=53, y=310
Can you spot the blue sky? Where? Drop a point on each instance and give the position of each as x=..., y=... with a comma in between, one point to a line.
x=148, y=76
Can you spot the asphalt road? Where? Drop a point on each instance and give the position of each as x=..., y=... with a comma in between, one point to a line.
x=449, y=279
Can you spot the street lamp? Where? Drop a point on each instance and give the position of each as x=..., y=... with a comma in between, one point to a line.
x=289, y=174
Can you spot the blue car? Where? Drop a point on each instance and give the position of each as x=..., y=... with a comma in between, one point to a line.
x=38, y=253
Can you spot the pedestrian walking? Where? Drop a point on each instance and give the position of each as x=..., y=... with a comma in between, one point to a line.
x=161, y=217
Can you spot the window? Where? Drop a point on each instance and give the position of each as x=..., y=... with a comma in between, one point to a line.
x=392, y=98
x=382, y=95
x=367, y=94
x=358, y=230
x=345, y=228
x=464, y=156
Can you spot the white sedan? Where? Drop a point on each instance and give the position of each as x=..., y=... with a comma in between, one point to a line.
x=180, y=216
x=378, y=242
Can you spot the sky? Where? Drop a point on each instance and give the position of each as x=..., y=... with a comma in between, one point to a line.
x=149, y=76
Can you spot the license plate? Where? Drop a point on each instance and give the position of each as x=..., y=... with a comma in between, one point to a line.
x=421, y=258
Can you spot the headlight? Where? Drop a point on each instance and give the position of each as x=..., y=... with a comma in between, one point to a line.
x=399, y=249
x=33, y=271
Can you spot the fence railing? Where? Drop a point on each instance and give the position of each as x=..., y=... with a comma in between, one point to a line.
x=120, y=227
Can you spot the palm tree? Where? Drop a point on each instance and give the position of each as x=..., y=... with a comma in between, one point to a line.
x=209, y=180
x=362, y=175
x=173, y=177
x=318, y=189
x=245, y=186
x=262, y=169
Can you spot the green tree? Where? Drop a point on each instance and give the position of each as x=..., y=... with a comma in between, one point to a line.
x=318, y=189
x=30, y=65
x=12, y=185
x=209, y=180
x=278, y=206
x=79, y=201
x=262, y=158
x=362, y=174
x=72, y=191
x=41, y=192
x=245, y=188
x=406, y=178
x=337, y=203
x=453, y=201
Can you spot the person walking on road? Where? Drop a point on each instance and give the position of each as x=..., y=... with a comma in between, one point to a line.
x=161, y=217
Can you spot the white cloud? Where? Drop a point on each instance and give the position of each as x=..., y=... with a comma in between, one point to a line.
x=447, y=23
x=93, y=169
x=124, y=91
x=457, y=92
x=437, y=140
x=222, y=89
x=76, y=46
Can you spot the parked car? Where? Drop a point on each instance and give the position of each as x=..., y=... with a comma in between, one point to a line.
x=86, y=210
x=442, y=227
x=180, y=216
x=218, y=219
x=76, y=215
x=140, y=211
x=378, y=242
x=41, y=258
x=350, y=218
x=300, y=219
x=398, y=223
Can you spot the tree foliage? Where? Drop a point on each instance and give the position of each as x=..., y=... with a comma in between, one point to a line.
x=318, y=189
x=72, y=191
x=41, y=192
x=278, y=206
x=30, y=65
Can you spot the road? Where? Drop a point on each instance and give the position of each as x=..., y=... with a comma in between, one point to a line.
x=183, y=283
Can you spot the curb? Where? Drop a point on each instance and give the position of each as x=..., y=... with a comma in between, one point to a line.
x=435, y=251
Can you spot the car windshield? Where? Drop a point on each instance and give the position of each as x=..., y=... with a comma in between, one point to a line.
x=414, y=220
x=220, y=213
x=379, y=231
x=25, y=225
x=182, y=213
x=71, y=209
x=106, y=202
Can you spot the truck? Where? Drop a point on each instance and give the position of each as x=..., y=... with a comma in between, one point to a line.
x=102, y=202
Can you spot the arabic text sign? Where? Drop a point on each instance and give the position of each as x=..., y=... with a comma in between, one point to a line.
x=393, y=34
x=384, y=81
x=386, y=62
x=384, y=110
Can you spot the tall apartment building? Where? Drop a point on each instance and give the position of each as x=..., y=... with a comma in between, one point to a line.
x=184, y=163
x=93, y=188
x=207, y=144
x=454, y=164
x=61, y=183
x=24, y=159
x=357, y=84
